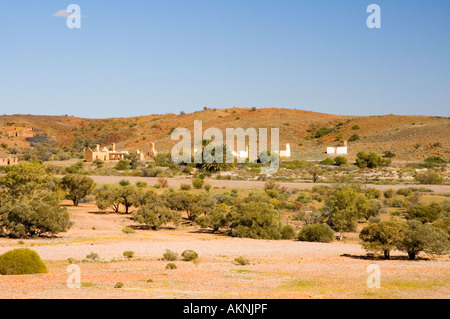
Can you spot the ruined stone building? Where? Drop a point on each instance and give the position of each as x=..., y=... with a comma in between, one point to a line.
x=8, y=159
x=106, y=154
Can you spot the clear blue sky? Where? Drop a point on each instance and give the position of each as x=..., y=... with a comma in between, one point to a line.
x=143, y=57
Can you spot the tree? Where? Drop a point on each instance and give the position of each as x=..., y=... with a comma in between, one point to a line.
x=108, y=196
x=36, y=217
x=209, y=163
x=315, y=172
x=157, y=213
x=24, y=179
x=77, y=187
x=344, y=207
x=182, y=201
x=430, y=177
x=216, y=218
x=424, y=237
x=383, y=236
x=255, y=220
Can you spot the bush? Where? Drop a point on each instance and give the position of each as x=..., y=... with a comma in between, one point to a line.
x=355, y=127
x=189, y=255
x=118, y=285
x=404, y=191
x=425, y=213
x=389, y=193
x=122, y=165
x=323, y=131
x=197, y=183
x=164, y=182
x=327, y=161
x=185, y=187
x=171, y=266
x=207, y=187
x=429, y=177
x=340, y=160
x=21, y=261
x=316, y=232
x=141, y=184
x=128, y=254
x=170, y=255
x=371, y=160
x=287, y=232
x=353, y=138
x=128, y=230
x=93, y=256
x=241, y=261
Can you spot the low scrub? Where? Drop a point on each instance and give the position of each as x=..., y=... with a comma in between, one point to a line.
x=316, y=232
x=21, y=261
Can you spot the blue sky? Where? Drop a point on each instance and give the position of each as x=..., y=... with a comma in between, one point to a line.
x=135, y=58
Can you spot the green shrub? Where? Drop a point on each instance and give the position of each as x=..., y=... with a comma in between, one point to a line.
x=128, y=230
x=122, y=165
x=327, y=161
x=404, y=191
x=287, y=232
x=197, y=183
x=340, y=160
x=316, y=232
x=21, y=261
x=430, y=177
x=170, y=255
x=355, y=127
x=118, y=285
x=241, y=261
x=389, y=193
x=353, y=138
x=189, y=255
x=207, y=187
x=128, y=254
x=185, y=187
x=171, y=266
x=323, y=131
x=141, y=184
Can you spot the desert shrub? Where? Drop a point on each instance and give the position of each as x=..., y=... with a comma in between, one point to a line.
x=118, y=285
x=371, y=160
x=93, y=256
x=124, y=182
x=389, y=154
x=21, y=261
x=171, y=266
x=170, y=255
x=141, y=184
x=404, y=191
x=429, y=177
x=77, y=187
x=128, y=230
x=389, y=193
x=151, y=172
x=287, y=232
x=207, y=187
x=122, y=165
x=316, y=232
x=425, y=213
x=327, y=161
x=128, y=254
x=303, y=198
x=372, y=192
x=433, y=160
x=323, y=131
x=383, y=236
x=185, y=187
x=353, y=138
x=241, y=261
x=317, y=197
x=164, y=182
x=215, y=218
x=355, y=127
x=197, y=183
x=424, y=237
x=340, y=160
x=189, y=255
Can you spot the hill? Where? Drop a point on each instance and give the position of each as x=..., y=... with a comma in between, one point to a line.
x=409, y=137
